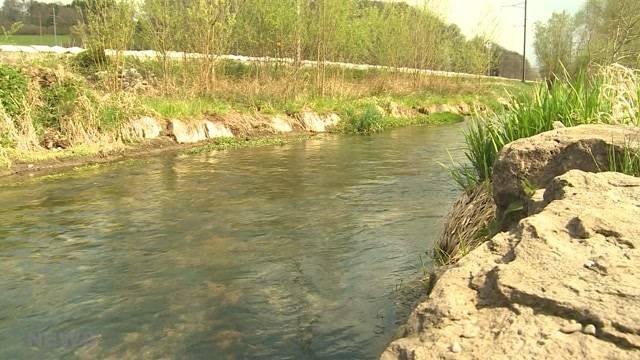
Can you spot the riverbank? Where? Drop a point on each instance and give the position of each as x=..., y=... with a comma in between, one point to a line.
x=157, y=147
x=61, y=112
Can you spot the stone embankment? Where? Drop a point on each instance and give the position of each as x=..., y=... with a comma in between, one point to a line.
x=563, y=282
x=148, y=135
x=194, y=131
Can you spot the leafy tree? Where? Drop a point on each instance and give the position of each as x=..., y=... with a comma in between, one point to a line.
x=12, y=10
x=554, y=45
x=610, y=32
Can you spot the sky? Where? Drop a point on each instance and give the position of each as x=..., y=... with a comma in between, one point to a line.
x=501, y=19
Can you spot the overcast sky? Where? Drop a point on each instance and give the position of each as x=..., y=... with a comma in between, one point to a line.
x=498, y=18
x=503, y=20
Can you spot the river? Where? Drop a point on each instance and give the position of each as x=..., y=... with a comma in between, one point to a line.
x=305, y=251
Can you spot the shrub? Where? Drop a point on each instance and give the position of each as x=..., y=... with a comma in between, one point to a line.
x=58, y=101
x=368, y=122
x=13, y=89
x=90, y=61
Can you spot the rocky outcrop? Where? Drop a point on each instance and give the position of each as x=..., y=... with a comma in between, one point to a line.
x=460, y=109
x=196, y=131
x=214, y=129
x=318, y=123
x=562, y=284
x=532, y=163
x=282, y=124
x=145, y=128
x=398, y=111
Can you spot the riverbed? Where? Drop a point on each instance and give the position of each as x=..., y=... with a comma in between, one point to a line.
x=305, y=251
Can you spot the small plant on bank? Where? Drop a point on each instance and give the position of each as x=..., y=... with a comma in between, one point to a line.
x=90, y=61
x=13, y=89
x=59, y=100
x=368, y=122
x=626, y=162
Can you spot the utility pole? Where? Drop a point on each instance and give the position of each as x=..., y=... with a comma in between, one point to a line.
x=298, y=33
x=524, y=50
x=55, y=30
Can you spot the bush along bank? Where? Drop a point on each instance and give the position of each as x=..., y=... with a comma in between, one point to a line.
x=610, y=96
x=59, y=109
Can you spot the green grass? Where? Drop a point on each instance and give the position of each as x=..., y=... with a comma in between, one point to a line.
x=229, y=143
x=583, y=100
x=370, y=119
x=169, y=108
x=627, y=162
x=61, y=40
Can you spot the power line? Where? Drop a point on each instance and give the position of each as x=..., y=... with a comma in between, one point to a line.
x=520, y=5
x=524, y=47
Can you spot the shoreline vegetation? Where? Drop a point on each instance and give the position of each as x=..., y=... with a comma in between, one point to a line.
x=610, y=95
x=60, y=111
x=100, y=102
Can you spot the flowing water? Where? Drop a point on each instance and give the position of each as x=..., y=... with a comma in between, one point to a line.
x=298, y=252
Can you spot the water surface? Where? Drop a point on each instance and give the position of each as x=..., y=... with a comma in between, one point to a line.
x=294, y=252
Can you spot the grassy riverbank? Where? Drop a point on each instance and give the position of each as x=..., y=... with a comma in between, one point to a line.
x=50, y=40
x=60, y=108
x=610, y=96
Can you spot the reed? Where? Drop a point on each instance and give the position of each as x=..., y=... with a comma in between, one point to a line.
x=609, y=97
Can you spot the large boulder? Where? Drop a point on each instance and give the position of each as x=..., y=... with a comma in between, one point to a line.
x=561, y=285
x=531, y=163
x=186, y=133
x=197, y=130
x=317, y=123
x=145, y=128
x=216, y=129
x=282, y=124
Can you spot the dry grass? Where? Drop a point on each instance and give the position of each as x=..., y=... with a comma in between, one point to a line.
x=247, y=124
x=468, y=224
x=621, y=87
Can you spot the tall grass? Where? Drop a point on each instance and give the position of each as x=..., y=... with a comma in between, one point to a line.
x=626, y=162
x=609, y=96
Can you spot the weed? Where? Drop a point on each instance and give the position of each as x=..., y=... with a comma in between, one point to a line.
x=58, y=102
x=627, y=161
x=228, y=143
x=13, y=89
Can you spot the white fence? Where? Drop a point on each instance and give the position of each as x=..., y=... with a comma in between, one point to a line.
x=148, y=54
